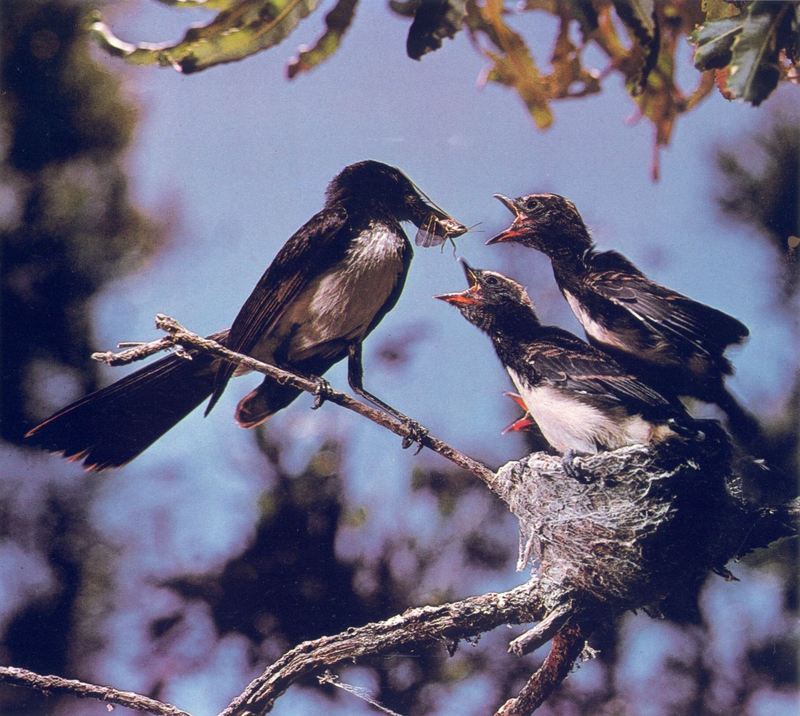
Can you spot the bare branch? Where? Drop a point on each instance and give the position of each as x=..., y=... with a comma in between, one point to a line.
x=445, y=624
x=134, y=352
x=566, y=648
x=58, y=685
x=543, y=632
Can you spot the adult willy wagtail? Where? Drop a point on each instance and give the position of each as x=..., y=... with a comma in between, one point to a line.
x=326, y=289
x=673, y=342
x=581, y=398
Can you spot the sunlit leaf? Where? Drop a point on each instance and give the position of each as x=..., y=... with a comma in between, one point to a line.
x=433, y=21
x=718, y=9
x=515, y=67
x=241, y=28
x=754, y=70
x=337, y=22
x=569, y=78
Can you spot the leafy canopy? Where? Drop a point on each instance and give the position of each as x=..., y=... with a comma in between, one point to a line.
x=746, y=48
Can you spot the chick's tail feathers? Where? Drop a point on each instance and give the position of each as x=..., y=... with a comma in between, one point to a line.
x=741, y=423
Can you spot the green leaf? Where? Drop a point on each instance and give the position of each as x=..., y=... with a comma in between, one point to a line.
x=337, y=22
x=754, y=70
x=639, y=17
x=433, y=21
x=714, y=41
x=242, y=28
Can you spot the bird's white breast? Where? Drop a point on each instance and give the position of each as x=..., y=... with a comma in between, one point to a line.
x=596, y=330
x=570, y=424
x=342, y=302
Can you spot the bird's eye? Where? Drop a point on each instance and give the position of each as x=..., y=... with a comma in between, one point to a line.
x=491, y=281
x=531, y=204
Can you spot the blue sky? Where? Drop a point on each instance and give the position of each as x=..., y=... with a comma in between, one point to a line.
x=237, y=158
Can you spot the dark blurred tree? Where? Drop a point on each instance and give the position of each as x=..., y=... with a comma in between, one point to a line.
x=288, y=585
x=67, y=227
x=67, y=224
x=761, y=186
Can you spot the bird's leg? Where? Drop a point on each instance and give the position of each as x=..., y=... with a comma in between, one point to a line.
x=355, y=376
x=571, y=469
x=322, y=391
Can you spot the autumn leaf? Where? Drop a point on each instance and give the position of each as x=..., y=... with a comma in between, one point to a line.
x=515, y=67
x=639, y=17
x=242, y=28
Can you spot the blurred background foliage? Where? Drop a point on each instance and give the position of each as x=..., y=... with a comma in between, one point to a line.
x=307, y=566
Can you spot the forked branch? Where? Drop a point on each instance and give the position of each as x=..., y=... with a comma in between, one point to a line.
x=444, y=625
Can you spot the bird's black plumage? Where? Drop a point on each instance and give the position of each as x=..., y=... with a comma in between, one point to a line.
x=325, y=291
x=675, y=343
x=581, y=398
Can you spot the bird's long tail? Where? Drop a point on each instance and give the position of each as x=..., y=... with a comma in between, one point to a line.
x=263, y=402
x=113, y=425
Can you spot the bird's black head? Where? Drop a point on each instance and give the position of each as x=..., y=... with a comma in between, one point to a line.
x=380, y=189
x=547, y=222
x=493, y=302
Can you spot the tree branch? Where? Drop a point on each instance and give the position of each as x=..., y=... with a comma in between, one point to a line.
x=179, y=336
x=58, y=685
x=566, y=648
x=445, y=624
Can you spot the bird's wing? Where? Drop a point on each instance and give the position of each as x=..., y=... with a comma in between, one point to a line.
x=563, y=360
x=311, y=250
x=664, y=311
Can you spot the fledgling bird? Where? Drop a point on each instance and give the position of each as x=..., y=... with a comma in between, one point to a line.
x=675, y=343
x=581, y=398
x=325, y=291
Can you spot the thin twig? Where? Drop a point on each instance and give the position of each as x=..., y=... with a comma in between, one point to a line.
x=416, y=627
x=137, y=352
x=56, y=684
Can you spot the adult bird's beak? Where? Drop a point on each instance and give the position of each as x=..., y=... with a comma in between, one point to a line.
x=513, y=231
x=435, y=226
x=469, y=297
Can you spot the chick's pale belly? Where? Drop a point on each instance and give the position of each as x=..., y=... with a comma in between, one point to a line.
x=567, y=423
